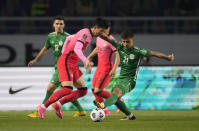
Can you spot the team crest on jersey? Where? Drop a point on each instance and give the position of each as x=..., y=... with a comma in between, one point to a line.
x=60, y=43
x=132, y=56
x=52, y=42
x=143, y=51
x=84, y=36
x=104, y=44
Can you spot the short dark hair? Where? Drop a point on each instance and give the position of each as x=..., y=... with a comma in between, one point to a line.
x=102, y=23
x=127, y=34
x=58, y=18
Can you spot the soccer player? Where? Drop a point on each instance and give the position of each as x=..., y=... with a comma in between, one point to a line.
x=105, y=68
x=55, y=41
x=130, y=56
x=69, y=72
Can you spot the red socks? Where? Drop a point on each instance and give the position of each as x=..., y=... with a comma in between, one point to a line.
x=74, y=95
x=57, y=95
x=104, y=94
x=98, y=98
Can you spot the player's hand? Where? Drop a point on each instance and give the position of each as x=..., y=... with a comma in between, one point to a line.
x=112, y=72
x=32, y=62
x=171, y=57
x=88, y=67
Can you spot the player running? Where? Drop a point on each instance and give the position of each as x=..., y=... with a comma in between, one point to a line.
x=55, y=41
x=130, y=56
x=105, y=68
x=69, y=73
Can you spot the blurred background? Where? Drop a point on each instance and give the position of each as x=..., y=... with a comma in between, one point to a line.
x=168, y=26
x=162, y=25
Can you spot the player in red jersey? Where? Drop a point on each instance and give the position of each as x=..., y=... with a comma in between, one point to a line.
x=69, y=73
x=105, y=68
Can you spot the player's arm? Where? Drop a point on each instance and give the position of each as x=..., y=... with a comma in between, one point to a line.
x=41, y=53
x=78, y=51
x=117, y=62
x=111, y=41
x=92, y=54
x=162, y=56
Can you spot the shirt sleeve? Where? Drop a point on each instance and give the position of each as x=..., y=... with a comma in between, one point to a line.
x=78, y=51
x=111, y=46
x=144, y=52
x=47, y=44
x=83, y=38
x=67, y=41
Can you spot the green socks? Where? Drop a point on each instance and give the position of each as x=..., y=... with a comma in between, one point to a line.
x=76, y=104
x=48, y=94
x=121, y=105
x=111, y=100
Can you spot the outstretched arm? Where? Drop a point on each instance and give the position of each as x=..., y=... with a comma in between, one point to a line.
x=41, y=53
x=106, y=38
x=117, y=62
x=92, y=54
x=163, y=56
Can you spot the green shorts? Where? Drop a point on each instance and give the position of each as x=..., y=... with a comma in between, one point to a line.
x=124, y=84
x=55, y=78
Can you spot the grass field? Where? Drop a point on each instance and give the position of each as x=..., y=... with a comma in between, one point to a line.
x=146, y=121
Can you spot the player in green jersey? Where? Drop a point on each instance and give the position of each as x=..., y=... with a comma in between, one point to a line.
x=130, y=56
x=55, y=41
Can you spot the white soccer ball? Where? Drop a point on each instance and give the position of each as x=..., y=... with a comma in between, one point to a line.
x=97, y=115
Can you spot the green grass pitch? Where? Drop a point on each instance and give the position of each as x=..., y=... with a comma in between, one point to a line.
x=146, y=121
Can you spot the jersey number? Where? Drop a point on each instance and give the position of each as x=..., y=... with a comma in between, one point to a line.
x=56, y=47
x=126, y=59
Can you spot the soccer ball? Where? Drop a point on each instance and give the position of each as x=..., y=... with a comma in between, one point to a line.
x=97, y=115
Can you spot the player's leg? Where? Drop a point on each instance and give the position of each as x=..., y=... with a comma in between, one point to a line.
x=77, y=75
x=80, y=92
x=121, y=87
x=94, y=84
x=122, y=106
x=100, y=81
x=118, y=110
x=66, y=89
x=79, y=83
x=65, y=77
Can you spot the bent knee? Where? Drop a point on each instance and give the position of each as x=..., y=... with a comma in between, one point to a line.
x=118, y=92
x=51, y=87
x=83, y=91
x=97, y=90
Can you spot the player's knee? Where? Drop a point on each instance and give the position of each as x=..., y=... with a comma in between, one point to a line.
x=83, y=91
x=97, y=90
x=118, y=92
x=51, y=87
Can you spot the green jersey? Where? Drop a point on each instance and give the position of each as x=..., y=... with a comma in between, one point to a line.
x=55, y=42
x=130, y=60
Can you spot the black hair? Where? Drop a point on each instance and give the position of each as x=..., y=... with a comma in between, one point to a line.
x=58, y=18
x=102, y=23
x=127, y=34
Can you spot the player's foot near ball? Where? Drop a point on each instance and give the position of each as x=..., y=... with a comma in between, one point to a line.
x=33, y=115
x=57, y=109
x=106, y=111
x=41, y=111
x=79, y=113
x=128, y=118
x=98, y=104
